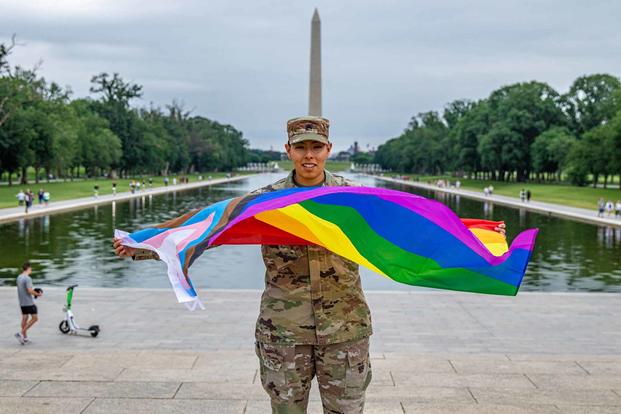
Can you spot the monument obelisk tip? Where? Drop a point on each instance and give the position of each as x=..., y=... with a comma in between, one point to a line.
x=314, y=96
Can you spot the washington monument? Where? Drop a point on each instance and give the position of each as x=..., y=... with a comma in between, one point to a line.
x=314, y=94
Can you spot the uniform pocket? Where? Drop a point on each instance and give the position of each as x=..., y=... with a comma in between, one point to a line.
x=272, y=371
x=358, y=375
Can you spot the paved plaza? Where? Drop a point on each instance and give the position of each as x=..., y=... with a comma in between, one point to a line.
x=432, y=352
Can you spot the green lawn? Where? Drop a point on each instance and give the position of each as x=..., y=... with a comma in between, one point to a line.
x=82, y=188
x=565, y=194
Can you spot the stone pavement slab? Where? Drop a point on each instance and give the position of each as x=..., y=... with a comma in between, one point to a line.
x=44, y=405
x=145, y=406
x=413, y=407
x=15, y=388
x=104, y=389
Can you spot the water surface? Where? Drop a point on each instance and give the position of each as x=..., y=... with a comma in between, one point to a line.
x=75, y=247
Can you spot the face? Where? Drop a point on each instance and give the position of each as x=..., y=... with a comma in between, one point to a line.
x=309, y=160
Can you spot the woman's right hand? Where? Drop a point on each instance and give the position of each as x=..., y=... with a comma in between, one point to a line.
x=122, y=251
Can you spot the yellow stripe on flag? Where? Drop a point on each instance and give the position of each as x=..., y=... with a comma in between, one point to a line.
x=493, y=240
x=301, y=223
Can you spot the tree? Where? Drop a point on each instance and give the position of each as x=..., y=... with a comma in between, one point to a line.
x=591, y=155
x=525, y=110
x=362, y=158
x=125, y=123
x=550, y=151
x=591, y=101
x=467, y=131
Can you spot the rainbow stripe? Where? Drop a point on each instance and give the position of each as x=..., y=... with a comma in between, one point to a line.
x=405, y=237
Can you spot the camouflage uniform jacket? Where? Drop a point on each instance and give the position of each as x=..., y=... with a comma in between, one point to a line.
x=311, y=296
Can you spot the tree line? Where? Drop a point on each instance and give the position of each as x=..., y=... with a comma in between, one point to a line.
x=42, y=128
x=524, y=131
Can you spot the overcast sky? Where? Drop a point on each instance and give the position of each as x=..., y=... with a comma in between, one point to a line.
x=246, y=62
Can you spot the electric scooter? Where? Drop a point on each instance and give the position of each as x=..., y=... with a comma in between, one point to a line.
x=69, y=325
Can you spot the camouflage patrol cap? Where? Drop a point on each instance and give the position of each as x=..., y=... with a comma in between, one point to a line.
x=308, y=128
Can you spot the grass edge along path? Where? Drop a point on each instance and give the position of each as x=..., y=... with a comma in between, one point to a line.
x=69, y=190
x=561, y=194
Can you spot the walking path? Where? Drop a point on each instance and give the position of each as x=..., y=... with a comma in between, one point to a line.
x=579, y=214
x=432, y=352
x=16, y=213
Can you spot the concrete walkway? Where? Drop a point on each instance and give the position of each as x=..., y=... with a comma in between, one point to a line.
x=16, y=213
x=574, y=213
x=432, y=352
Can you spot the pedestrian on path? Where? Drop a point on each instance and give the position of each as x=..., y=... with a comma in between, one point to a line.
x=21, y=196
x=40, y=196
x=96, y=191
x=522, y=195
x=28, y=199
x=528, y=196
x=113, y=189
x=25, y=294
x=601, y=205
x=46, y=198
x=618, y=209
x=609, y=208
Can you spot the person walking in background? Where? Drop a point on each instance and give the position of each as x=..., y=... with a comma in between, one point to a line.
x=96, y=191
x=601, y=205
x=150, y=183
x=522, y=195
x=618, y=209
x=46, y=198
x=165, y=181
x=40, y=196
x=21, y=196
x=609, y=208
x=28, y=199
x=528, y=196
x=113, y=189
x=25, y=294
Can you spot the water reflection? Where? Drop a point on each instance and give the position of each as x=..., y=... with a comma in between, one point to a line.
x=75, y=247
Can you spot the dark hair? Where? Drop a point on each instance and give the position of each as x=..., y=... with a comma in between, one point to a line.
x=26, y=266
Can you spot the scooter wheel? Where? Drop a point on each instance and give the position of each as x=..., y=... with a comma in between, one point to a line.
x=94, y=330
x=64, y=327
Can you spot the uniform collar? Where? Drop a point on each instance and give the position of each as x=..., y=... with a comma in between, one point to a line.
x=328, y=179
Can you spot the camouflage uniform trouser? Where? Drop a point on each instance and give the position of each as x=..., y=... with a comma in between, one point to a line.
x=343, y=373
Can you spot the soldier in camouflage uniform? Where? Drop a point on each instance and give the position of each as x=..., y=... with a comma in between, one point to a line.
x=314, y=319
